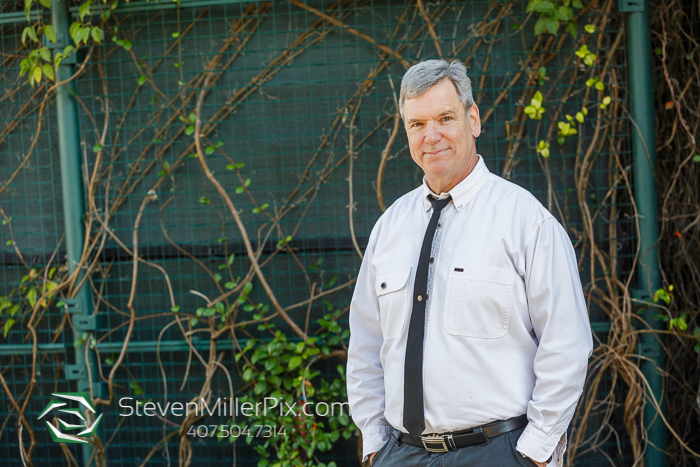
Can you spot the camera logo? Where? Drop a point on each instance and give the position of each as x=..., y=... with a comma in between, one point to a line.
x=87, y=431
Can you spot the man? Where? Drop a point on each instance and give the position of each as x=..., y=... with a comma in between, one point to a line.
x=469, y=331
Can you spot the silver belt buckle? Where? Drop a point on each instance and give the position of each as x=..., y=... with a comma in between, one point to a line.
x=436, y=443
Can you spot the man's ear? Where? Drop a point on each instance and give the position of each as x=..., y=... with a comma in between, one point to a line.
x=474, y=120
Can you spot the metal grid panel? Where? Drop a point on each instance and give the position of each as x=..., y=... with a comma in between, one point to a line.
x=285, y=78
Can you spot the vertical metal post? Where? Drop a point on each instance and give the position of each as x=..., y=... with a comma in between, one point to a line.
x=646, y=196
x=73, y=203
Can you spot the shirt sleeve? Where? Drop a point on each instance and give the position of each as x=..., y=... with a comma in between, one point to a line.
x=365, y=374
x=560, y=321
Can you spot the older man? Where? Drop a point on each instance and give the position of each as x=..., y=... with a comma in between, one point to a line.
x=469, y=331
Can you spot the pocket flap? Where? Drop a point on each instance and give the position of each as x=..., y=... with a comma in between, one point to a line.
x=391, y=281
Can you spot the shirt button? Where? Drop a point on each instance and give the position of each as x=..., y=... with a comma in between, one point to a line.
x=432, y=260
x=383, y=285
x=439, y=225
x=420, y=298
x=460, y=206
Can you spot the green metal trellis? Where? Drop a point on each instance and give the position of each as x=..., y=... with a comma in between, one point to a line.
x=274, y=131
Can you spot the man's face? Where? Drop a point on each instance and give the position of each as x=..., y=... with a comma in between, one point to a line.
x=441, y=135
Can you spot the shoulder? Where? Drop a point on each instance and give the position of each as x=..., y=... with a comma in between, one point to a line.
x=516, y=200
x=398, y=211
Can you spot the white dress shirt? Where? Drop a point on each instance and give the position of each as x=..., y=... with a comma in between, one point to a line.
x=506, y=325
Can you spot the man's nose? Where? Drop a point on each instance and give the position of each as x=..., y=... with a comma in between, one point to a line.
x=432, y=133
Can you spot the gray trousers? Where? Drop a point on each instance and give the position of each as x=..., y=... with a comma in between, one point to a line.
x=499, y=452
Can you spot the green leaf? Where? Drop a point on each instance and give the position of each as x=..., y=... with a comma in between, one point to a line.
x=544, y=7
x=590, y=28
x=97, y=148
x=176, y=34
x=189, y=130
x=50, y=32
x=230, y=285
x=8, y=325
x=260, y=387
x=218, y=277
x=127, y=45
x=540, y=26
x=192, y=117
x=48, y=71
x=230, y=167
x=32, y=34
x=577, y=4
x=599, y=86
x=96, y=34
x=240, y=190
x=84, y=10
x=696, y=158
x=46, y=3
x=230, y=259
x=141, y=80
x=36, y=73
x=571, y=26
x=175, y=309
x=193, y=322
x=553, y=25
x=209, y=150
x=9, y=242
x=85, y=35
x=294, y=362
x=204, y=200
x=562, y=13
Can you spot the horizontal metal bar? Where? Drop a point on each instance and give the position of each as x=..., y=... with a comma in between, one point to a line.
x=213, y=251
x=24, y=349
x=111, y=347
x=130, y=7
x=165, y=346
x=151, y=6
x=19, y=17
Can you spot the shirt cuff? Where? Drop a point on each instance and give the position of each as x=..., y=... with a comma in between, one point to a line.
x=374, y=438
x=539, y=446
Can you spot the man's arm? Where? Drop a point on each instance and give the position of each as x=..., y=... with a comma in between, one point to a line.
x=560, y=321
x=365, y=375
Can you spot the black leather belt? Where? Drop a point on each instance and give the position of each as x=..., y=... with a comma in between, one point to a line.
x=461, y=439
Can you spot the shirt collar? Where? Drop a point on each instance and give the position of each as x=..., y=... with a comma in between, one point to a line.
x=464, y=191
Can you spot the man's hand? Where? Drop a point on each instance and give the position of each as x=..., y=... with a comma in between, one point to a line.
x=371, y=457
x=539, y=464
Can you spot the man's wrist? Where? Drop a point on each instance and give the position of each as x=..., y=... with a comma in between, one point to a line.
x=536, y=462
x=371, y=457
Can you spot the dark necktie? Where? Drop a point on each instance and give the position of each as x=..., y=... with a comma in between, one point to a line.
x=413, y=416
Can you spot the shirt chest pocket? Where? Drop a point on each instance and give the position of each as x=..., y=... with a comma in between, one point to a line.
x=392, y=294
x=478, y=301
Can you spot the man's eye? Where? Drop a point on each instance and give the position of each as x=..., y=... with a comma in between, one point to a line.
x=416, y=125
x=446, y=119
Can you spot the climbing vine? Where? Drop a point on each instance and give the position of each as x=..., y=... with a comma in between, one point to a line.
x=569, y=117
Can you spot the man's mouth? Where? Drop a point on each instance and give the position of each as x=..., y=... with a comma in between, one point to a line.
x=437, y=152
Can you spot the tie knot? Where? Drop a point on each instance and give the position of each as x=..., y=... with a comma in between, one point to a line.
x=439, y=204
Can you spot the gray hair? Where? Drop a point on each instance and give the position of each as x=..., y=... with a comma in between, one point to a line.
x=424, y=75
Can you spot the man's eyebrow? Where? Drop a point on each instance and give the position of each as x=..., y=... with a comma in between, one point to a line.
x=449, y=111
